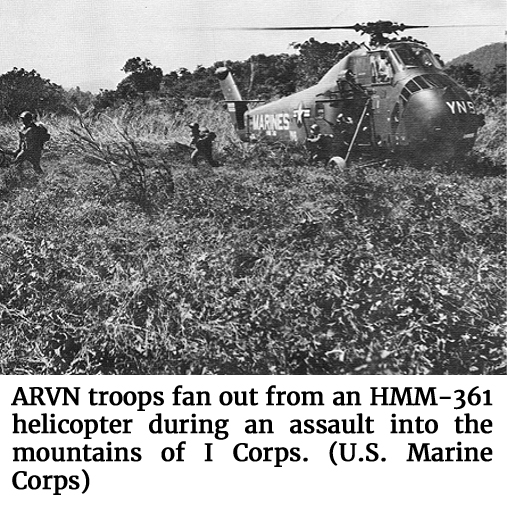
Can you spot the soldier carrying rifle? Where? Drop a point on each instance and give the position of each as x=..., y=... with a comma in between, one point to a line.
x=32, y=137
x=201, y=142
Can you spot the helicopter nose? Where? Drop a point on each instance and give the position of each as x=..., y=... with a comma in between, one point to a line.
x=441, y=120
x=427, y=116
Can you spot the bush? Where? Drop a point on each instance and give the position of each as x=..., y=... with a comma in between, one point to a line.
x=135, y=170
x=491, y=142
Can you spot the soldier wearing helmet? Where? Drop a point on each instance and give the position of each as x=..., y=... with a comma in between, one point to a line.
x=318, y=144
x=201, y=142
x=194, y=129
x=193, y=142
x=31, y=141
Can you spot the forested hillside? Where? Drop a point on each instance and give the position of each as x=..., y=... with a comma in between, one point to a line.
x=484, y=59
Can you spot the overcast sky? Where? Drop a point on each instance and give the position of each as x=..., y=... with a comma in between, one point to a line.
x=86, y=42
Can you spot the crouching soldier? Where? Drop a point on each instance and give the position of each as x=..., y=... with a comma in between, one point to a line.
x=31, y=142
x=202, y=143
x=319, y=145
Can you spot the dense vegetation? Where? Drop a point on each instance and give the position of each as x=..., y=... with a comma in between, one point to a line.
x=484, y=59
x=22, y=90
x=484, y=68
x=124, y=258
x=260, y=77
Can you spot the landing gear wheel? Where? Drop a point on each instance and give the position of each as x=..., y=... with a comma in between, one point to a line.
x=337, y=163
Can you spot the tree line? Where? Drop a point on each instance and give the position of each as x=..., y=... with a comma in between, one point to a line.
x=259, y=77
x=493, y=82
x=22, y=90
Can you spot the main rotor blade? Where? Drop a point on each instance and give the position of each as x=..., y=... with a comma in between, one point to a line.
x=462, y=26
x=250, y=28
x=406, y=27
x=350, y=27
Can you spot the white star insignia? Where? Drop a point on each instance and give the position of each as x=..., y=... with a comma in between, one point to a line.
x=301, y=113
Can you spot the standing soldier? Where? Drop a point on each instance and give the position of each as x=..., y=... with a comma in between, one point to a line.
x=31, y=142
x=202, y=142
x=346, y=128
x=193, y=142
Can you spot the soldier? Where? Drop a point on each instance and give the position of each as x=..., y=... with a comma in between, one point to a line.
x=202, y=142
x=346, y=128
x=318, y=145
x=31, y=142
x=194, y=138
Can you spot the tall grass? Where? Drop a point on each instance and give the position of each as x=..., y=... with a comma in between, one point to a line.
x=264, y=265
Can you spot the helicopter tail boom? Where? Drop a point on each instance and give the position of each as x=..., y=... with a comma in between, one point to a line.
x=236, y=106
x=228, y=85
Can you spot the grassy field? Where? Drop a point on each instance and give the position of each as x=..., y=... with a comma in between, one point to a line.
x=147, y=265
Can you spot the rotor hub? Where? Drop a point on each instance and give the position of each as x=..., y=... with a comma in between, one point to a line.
x=379, y=29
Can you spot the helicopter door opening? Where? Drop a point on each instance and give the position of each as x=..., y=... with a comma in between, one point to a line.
x=362, y=70
x=358, y=108
x=381, y=68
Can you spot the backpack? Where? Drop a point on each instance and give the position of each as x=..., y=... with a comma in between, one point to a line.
x=44, y=135
x=205, y=140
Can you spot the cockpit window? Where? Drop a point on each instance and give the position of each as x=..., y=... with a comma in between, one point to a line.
x=414, y=55
x=421, y=82
x=439, y=80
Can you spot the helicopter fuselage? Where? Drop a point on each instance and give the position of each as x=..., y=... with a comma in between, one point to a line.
x=394, y=99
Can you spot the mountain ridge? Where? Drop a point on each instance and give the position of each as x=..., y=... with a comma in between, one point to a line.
x=484, y=58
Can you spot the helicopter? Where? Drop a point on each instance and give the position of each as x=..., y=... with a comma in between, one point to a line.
x=388, y=99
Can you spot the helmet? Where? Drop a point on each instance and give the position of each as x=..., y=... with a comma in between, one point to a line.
x=194, y=126
x=315, y=128
x=26, y=115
